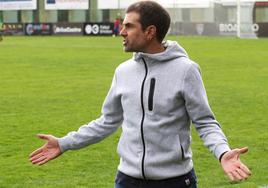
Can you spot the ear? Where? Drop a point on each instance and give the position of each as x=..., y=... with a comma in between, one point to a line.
x=150, y=32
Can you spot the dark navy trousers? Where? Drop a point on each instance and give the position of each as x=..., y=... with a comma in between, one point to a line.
x=185, y=181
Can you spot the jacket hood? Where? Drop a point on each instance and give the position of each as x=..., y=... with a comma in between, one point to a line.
x=173, y=50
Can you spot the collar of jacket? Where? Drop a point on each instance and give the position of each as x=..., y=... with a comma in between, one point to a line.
x=172, y=51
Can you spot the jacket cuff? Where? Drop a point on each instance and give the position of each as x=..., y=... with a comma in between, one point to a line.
x=221, y=149
x=64, y=144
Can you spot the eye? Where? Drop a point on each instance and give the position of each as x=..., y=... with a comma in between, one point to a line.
x=128, y=25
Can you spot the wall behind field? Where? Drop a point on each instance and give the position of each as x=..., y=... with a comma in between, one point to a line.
x=203, y=17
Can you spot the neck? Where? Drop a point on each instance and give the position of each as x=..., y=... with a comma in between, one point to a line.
x=154, y=47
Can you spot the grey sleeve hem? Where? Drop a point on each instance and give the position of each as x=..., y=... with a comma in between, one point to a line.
x=220, y=149
x=63, y=143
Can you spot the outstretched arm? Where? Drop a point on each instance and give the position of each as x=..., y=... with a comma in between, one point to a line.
x=47, y=152
x=209, y=129
x=233, y=167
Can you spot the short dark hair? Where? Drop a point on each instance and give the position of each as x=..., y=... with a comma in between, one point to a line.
x=151, y=13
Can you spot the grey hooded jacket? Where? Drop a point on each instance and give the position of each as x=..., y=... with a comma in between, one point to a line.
x=155, y=98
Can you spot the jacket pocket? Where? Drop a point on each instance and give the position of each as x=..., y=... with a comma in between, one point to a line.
x=151, y=95
x=178, y=149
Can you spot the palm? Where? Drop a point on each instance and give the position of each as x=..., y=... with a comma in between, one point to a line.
x=49, y=151
x=232, y=160
x=232, y=165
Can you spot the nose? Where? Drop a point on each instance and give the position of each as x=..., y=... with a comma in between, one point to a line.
x=123, y=32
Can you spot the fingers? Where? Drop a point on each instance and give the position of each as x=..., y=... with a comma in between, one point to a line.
x=35, y=157
x=231, y=177
x=240, y=173
x=39, y=159
x=43, y=161
x=36, y=152
x=245, y=169
x=237, y=176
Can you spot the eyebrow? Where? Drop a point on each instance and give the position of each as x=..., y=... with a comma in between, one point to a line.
x=128, y=24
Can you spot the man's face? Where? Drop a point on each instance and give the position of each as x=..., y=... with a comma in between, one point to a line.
x=134, y=36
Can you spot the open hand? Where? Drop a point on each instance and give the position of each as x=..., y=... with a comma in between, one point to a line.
x=232, y=165
x=47, y=152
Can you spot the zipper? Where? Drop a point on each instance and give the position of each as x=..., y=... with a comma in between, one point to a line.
x=142, y=120
x=182, y=153
x=151, y=95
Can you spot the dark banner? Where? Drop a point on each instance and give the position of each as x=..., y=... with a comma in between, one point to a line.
x=106, y=29
x=11, y=29
x=263, y=30
x=67, y=29
x=38, y=29
x=98, y=29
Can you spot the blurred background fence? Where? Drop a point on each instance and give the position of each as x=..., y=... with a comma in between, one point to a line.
x=241, y=18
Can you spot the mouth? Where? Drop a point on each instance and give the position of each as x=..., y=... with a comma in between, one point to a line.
x=124, y=42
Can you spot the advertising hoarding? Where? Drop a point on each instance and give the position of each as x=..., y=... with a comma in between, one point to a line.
x=98, y=29
x=18, y=4
x=66, y=4
x=67, y=29
x=219, y=29
x=262, y=30
x=11, y=29
x=38, y=29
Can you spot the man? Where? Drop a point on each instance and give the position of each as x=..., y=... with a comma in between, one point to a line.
x=154, y=96
x=1, y=31
x=117, y=26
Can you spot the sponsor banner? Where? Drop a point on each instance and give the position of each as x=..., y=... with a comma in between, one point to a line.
x=67, y=29
x=219, y=29
x=246, y=29
x=11, y=29
x=38, y=29
x=18, y=4
x=263, y=30
x=66, y=4
x=230, y=29
x=98, y=28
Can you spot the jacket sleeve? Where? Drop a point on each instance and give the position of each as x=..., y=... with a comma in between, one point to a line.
x=201, y=115
x=95, y=131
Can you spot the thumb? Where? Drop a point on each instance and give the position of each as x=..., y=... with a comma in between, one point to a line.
x=43, y=136
x=243, y=150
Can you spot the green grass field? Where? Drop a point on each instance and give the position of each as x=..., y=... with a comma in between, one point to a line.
x=53, y=85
